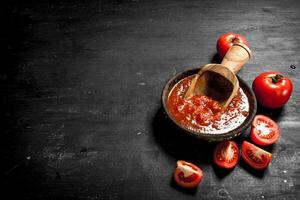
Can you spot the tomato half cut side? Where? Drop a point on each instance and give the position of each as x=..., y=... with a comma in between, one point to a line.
x=264, y=131
x=187, y=175
x=226, y=154
x=255, y=156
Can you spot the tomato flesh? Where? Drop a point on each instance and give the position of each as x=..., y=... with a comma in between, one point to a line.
x=226, y=154
x=188, y=179
x=264, y=131
x=255, y=156
x=187, y=174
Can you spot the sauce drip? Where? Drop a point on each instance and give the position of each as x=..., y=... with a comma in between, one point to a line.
x=202, y=113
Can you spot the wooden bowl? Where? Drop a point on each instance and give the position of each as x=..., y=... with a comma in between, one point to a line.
x=207, y=136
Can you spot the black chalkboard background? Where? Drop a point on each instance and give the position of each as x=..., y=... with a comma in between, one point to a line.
x=80, y=97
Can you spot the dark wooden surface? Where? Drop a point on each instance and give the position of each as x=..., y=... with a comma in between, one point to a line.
x=80, y=96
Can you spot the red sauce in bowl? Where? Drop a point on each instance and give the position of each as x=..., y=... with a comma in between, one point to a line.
x=203, y=114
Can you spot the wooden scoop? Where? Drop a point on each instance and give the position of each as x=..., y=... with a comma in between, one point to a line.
x=218, y=81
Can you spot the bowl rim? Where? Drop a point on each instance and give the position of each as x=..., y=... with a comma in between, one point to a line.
x=208, y=136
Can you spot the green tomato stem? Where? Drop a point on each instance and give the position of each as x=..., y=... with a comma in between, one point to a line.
x=276, y=78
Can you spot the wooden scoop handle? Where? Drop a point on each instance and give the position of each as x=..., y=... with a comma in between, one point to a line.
x=236, y=57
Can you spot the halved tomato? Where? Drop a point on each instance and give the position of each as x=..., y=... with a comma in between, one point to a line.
x=264, y=130
x=226, y=154
x=255, y=156
x=187, y=174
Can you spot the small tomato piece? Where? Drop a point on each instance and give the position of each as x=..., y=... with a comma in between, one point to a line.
x=256, y=157
x=226, y=154
x=264, y=131
x=187, y=175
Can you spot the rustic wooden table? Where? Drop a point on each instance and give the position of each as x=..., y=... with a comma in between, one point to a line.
x=80, y=95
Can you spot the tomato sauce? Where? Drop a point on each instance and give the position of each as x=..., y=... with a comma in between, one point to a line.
x=202, y=113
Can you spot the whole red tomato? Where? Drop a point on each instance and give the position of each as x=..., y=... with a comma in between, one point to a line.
x=272, y=89
x=226, y=40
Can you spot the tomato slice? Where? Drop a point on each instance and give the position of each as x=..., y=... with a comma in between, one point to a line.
x=226, y=154
x=264, y=130
x=255, y=156
x=187, y=174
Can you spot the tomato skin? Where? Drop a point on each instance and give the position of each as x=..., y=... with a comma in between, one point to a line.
x=256, y=157
x=226, y=40
x=194, y=177
x=226, y=154
x=264, y=131
x=269, y=93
